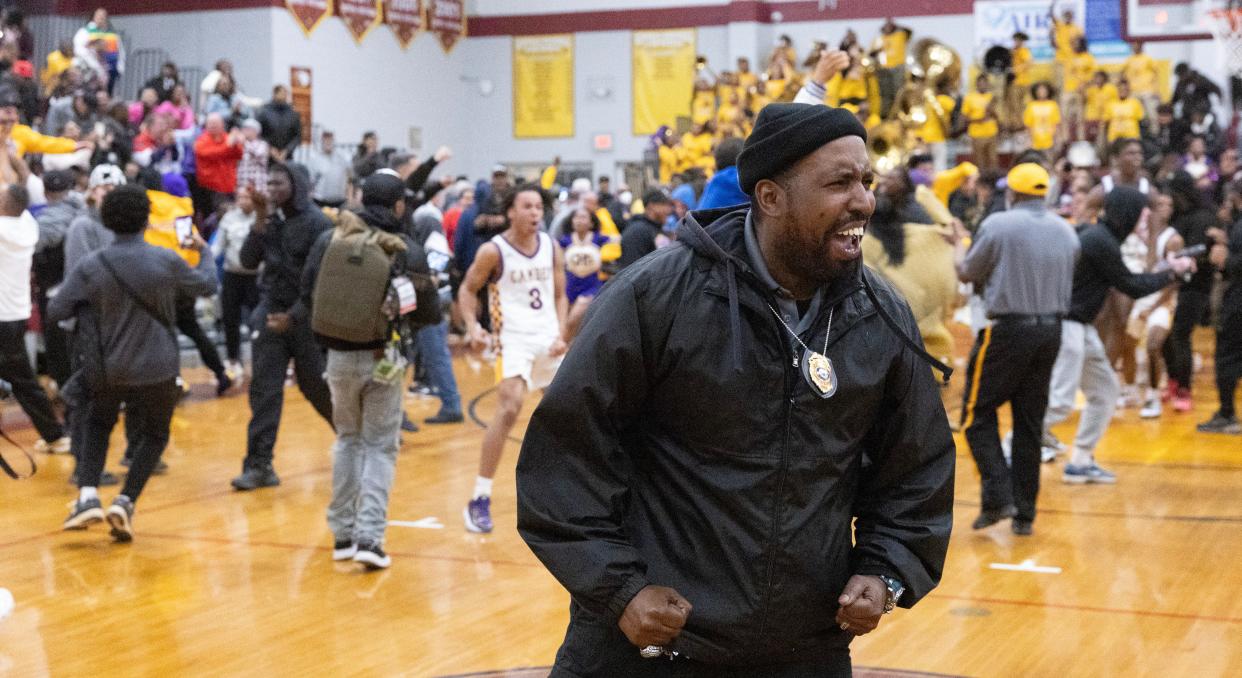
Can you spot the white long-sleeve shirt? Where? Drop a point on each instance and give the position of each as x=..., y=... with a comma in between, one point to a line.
x=230, y=234
x=18, y=236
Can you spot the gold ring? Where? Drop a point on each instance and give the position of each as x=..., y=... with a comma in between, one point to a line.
x=845, y=626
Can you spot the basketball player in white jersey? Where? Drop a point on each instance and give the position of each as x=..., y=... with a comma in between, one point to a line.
x=526, y=273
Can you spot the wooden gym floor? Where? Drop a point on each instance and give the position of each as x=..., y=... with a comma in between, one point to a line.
x=1136, y=579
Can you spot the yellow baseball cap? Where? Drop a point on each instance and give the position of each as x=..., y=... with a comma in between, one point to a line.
x=1028, y=178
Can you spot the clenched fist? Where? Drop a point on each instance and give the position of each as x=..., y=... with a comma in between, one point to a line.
x=831, y=62
x=655, y=616
x=862, y=604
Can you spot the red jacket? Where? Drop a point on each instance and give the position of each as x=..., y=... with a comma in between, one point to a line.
x=216, y=162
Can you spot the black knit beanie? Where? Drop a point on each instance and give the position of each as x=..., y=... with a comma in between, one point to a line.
x=786, y=133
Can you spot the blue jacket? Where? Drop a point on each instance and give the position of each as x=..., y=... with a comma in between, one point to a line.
x=723, y=191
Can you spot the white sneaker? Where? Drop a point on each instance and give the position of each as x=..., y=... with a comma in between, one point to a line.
x=6, y=603
x=58, y=446
x=1151, y=409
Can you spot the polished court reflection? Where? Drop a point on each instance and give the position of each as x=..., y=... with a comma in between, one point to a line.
x=226, y=584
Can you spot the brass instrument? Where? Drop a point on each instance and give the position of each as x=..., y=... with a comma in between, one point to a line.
x=935, y=63
x=889, y=146
x=930, y=66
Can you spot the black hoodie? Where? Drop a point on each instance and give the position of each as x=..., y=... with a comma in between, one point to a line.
x=680, y=446
x=413, y=260
x=1100, y=266
x=282, y=126
x=283, y=245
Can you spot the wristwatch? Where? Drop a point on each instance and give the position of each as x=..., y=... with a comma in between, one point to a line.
x=893, y=594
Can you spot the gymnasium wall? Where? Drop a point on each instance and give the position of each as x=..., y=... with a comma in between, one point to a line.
x=377, y=86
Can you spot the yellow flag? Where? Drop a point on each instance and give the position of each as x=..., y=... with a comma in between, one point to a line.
x=663, y=77
x=543, y=86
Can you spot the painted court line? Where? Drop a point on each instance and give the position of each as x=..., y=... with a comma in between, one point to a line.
x=1027, y=565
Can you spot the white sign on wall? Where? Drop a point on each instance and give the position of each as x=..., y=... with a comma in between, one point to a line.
x=997, y=20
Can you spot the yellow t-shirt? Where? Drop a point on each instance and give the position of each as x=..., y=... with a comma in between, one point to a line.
x=1098, y=100
x=727, y=115
x=1123, y=118
x=975, y=109
x=1066, y=35
x=668, y=163
x=746, y=80
x=1140, y=70
x=703, y=107
x=1022, y=66
x=933, y=131
x=1079, y=72
x=1042, y=118
x=57, y=63
x=895, y=48
x=775, y=88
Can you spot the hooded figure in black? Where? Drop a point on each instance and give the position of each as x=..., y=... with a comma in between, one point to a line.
x=281, y=245
x=686, y=478
x=1100, y=265
x=1192, y=217
x=1082, y=361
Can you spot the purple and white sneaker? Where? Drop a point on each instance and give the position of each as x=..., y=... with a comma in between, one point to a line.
x=478, y=515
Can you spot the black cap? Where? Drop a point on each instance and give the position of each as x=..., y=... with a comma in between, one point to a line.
x=382, y=189
x=656, y=197
x=57, y=181
x=787, y=133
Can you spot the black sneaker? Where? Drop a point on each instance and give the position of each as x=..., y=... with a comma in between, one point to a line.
x=121, y=518
x=1021, y=527
x=371, y=555
x=254, y=478
x=223, y=384
x=990, y=517
x=445, y=418
x=1220, y=424
x=407, y=424
x=83, y=514
x=343, y=549
x=106, y=479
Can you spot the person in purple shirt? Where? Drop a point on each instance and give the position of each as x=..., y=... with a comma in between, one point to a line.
x=583, y=263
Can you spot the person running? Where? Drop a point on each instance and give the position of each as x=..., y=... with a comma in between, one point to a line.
x=526, y=273
x=132, y=289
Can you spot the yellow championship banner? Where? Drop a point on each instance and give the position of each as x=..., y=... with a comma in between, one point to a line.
x=543, y=86
x=663, y=77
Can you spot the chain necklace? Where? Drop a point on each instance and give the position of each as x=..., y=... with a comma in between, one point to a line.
x=817, y=368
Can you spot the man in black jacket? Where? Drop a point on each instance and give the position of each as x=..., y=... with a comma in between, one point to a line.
x=1226, y=255
x=644, y=233
x=282, y=126
x=1082, y=361
x=365, y=381
x=281, y=245
x=694, y=472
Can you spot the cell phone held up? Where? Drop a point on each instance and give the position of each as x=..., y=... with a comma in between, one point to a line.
x=185, y=231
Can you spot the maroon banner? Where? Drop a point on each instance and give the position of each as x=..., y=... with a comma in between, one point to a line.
x=447, y=19
x=309, y=13
x=405, y=18
x=360, y=16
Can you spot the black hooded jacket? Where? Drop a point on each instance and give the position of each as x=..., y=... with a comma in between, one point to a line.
x=284, y=244
x=679, y=446
x=413, y=260
x=282, y=126
x=1192, y=217
x=1100, y=266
